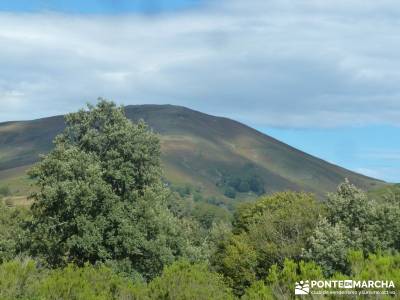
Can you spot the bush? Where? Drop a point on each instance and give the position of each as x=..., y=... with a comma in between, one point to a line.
x=86, y=283
x=258, y=291
x=22, y=279
x=11, y=231
x=182, y=281
x=266, y=232
x=19, y=279
x=281, y=280
x=5, y=191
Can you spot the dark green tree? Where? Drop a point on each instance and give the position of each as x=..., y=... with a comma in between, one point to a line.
x=100, y=196
x=266, y=232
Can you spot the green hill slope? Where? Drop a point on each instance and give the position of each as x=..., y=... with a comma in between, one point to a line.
x=212, y=154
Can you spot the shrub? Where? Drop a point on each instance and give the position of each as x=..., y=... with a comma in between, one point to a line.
x=182, y=281
x=265, y=233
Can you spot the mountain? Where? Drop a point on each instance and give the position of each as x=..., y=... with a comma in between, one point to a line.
x=215, y=155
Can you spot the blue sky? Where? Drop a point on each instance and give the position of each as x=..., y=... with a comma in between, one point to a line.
x=98, y=6
x=370, y=150
x=302, y=71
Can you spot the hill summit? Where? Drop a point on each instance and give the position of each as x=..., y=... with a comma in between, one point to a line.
x=219, y=156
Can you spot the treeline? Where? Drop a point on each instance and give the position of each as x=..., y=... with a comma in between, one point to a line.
x=104, y=225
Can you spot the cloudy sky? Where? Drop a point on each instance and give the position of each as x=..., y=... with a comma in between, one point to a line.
x=321, y=75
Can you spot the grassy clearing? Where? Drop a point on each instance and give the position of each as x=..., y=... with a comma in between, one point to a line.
x=16, y=181
x=17, y=201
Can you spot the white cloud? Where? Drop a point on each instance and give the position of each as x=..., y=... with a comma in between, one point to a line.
x=283, y=63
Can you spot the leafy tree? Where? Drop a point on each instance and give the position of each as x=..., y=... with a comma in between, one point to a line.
x=185, y=281
x=350, y=206
x=100, y=196
x=237, y=260
x=219, y=235
x=11, y=232
x=329, y=246
x=208, y=214
x=266, y=232
x=386, y=228
x=354, y=221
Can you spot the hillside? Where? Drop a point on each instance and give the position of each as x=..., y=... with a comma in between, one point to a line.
x=212, y=154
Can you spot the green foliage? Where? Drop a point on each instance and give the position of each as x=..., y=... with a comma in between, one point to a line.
x=265, y=233
x=5, y=191
x=258, y=291
x=182, y=190
x=375, y=266
x=208, y=214
x=24, y=280
x=248, y=181
x=350, y=206
x=381, y=266
x=104, y=221
x=386, y=227
x=182, y=281
x=219, y=234
x=86, y=283
x=230, y=192
x=259, y=258
x=354, y=222
x=238, y=263
x=18, y=279
x=218, y=202
x=11, y=232
x=329, y=246
x=388, y=192
x=187, y=201
x=100, y=196
x=281, y=280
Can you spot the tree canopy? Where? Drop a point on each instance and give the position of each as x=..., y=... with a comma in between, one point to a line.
x=100, y=196
x=265, y=232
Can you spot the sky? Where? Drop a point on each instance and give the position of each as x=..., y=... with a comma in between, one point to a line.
x=320, y=75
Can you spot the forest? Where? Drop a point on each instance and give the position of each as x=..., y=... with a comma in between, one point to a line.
x=104, y=224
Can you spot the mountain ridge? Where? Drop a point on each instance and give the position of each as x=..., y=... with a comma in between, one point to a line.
x=198, y=149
